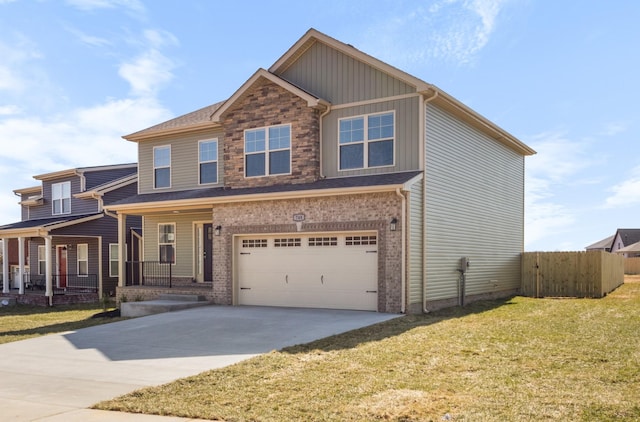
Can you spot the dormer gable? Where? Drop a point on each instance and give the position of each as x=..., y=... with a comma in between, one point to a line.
x=271, y=133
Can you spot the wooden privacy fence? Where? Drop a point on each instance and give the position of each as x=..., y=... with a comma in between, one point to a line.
x=571, y=274
x=632, y=265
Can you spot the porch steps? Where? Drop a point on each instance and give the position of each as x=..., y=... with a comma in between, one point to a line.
x=164, y=303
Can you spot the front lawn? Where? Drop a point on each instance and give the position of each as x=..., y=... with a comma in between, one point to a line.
x=21, y=322
x=512, y=360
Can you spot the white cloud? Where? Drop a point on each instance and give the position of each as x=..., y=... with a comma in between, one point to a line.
x=89, y=39
x=132, y=5
x=448, y=30
x=9, y=110
x=625, y=193
x=614, y=128
x=15, y=54
x=559, y=161
x=147, y=73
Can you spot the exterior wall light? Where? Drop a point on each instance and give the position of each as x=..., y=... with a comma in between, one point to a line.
x=217, y=230
x=393, y=225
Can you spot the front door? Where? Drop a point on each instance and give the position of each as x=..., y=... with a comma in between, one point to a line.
x=204, y=252
x=62, y=266
x=208, y=252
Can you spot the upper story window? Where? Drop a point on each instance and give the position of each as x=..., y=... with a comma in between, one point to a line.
x=162, y=167
x=267, y=151
x=367, y=141
x=61, y=197
x=208, y=161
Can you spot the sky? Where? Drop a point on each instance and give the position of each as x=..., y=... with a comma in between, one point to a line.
x=561, y=76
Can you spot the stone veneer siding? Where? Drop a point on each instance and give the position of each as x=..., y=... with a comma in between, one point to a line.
x=361, y=212
x=267, y=104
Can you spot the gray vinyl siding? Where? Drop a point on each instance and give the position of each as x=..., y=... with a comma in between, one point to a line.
x=340, y=79
x=78, y=206
x=99, y=177
x=416, y=241
x=184, y=162
x=406, y=143
x=474, y=208
x=121, y=193
x=184, y=246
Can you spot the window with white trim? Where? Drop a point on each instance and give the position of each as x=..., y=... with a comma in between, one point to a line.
x=162, y=167
x=267, y=151
x=114, y=267
x=167, y=242
x=208, y=161
x=366, y=141
x=61, y=198
x=83, y=259
x=42, y=260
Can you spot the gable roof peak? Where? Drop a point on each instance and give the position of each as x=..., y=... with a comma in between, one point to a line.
x=313, y=35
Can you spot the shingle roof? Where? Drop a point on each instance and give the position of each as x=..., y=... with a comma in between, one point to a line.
x=602, y=244
x=629, y=236
x=335, y=183
x=200, y=116
x=45, y=222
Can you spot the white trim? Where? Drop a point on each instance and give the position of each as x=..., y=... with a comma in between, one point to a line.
x=61, y=198
x=155, y=168
x=365, y=142
x=376, y=101
x=172, y=243
x=78, y=259
x=267, y=150
x=217, y=161
x=117, y=260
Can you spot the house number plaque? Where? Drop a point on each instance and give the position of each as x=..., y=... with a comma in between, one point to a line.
x=298, y=217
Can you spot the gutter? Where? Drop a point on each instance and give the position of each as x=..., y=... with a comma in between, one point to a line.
x=403, y=254
x=322, y=115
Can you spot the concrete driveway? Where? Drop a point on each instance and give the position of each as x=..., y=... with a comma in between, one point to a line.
x=47, y=377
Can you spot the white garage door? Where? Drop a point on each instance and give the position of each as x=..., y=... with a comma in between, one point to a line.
x=336, y=271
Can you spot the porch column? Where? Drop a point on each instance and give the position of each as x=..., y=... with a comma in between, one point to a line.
x=21, y=265
x=49, y=268
x=5, y=265
x=122, y=247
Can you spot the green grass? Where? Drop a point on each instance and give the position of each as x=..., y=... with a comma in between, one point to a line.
x=21, y=322
x=519, y=359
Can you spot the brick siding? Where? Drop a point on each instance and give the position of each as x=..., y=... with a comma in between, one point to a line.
x=267, y=104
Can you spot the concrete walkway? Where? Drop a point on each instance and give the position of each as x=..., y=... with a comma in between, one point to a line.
x=56, y=377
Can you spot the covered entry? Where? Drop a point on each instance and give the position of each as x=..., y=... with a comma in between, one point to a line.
x=323, y=270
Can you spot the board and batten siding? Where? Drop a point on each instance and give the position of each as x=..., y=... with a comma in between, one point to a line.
x=474, y=208
x=185, y=243
x=184, y=162
x=340, y=79
x=406, y=143
x=416, y=242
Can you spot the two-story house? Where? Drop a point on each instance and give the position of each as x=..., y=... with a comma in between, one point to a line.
x=65, y=242
x=332, y=180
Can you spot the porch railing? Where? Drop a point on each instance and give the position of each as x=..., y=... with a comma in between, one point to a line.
x=149, y=273
x=63, y=283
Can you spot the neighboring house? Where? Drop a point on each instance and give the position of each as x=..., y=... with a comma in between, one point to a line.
x=602, y=245
x=630, y=251
x=624, y=238
x=331, y=180
x=66, y=242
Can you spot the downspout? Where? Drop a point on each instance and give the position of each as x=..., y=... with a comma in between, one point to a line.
x=403, y=270
x=424, y=197
x=324, y=113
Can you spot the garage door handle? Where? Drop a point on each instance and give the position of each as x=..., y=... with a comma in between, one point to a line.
x=245, y=288
x=286, y=278
x=245, y=253
x=322, y=279
x=372, y=251
x=372, y=291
